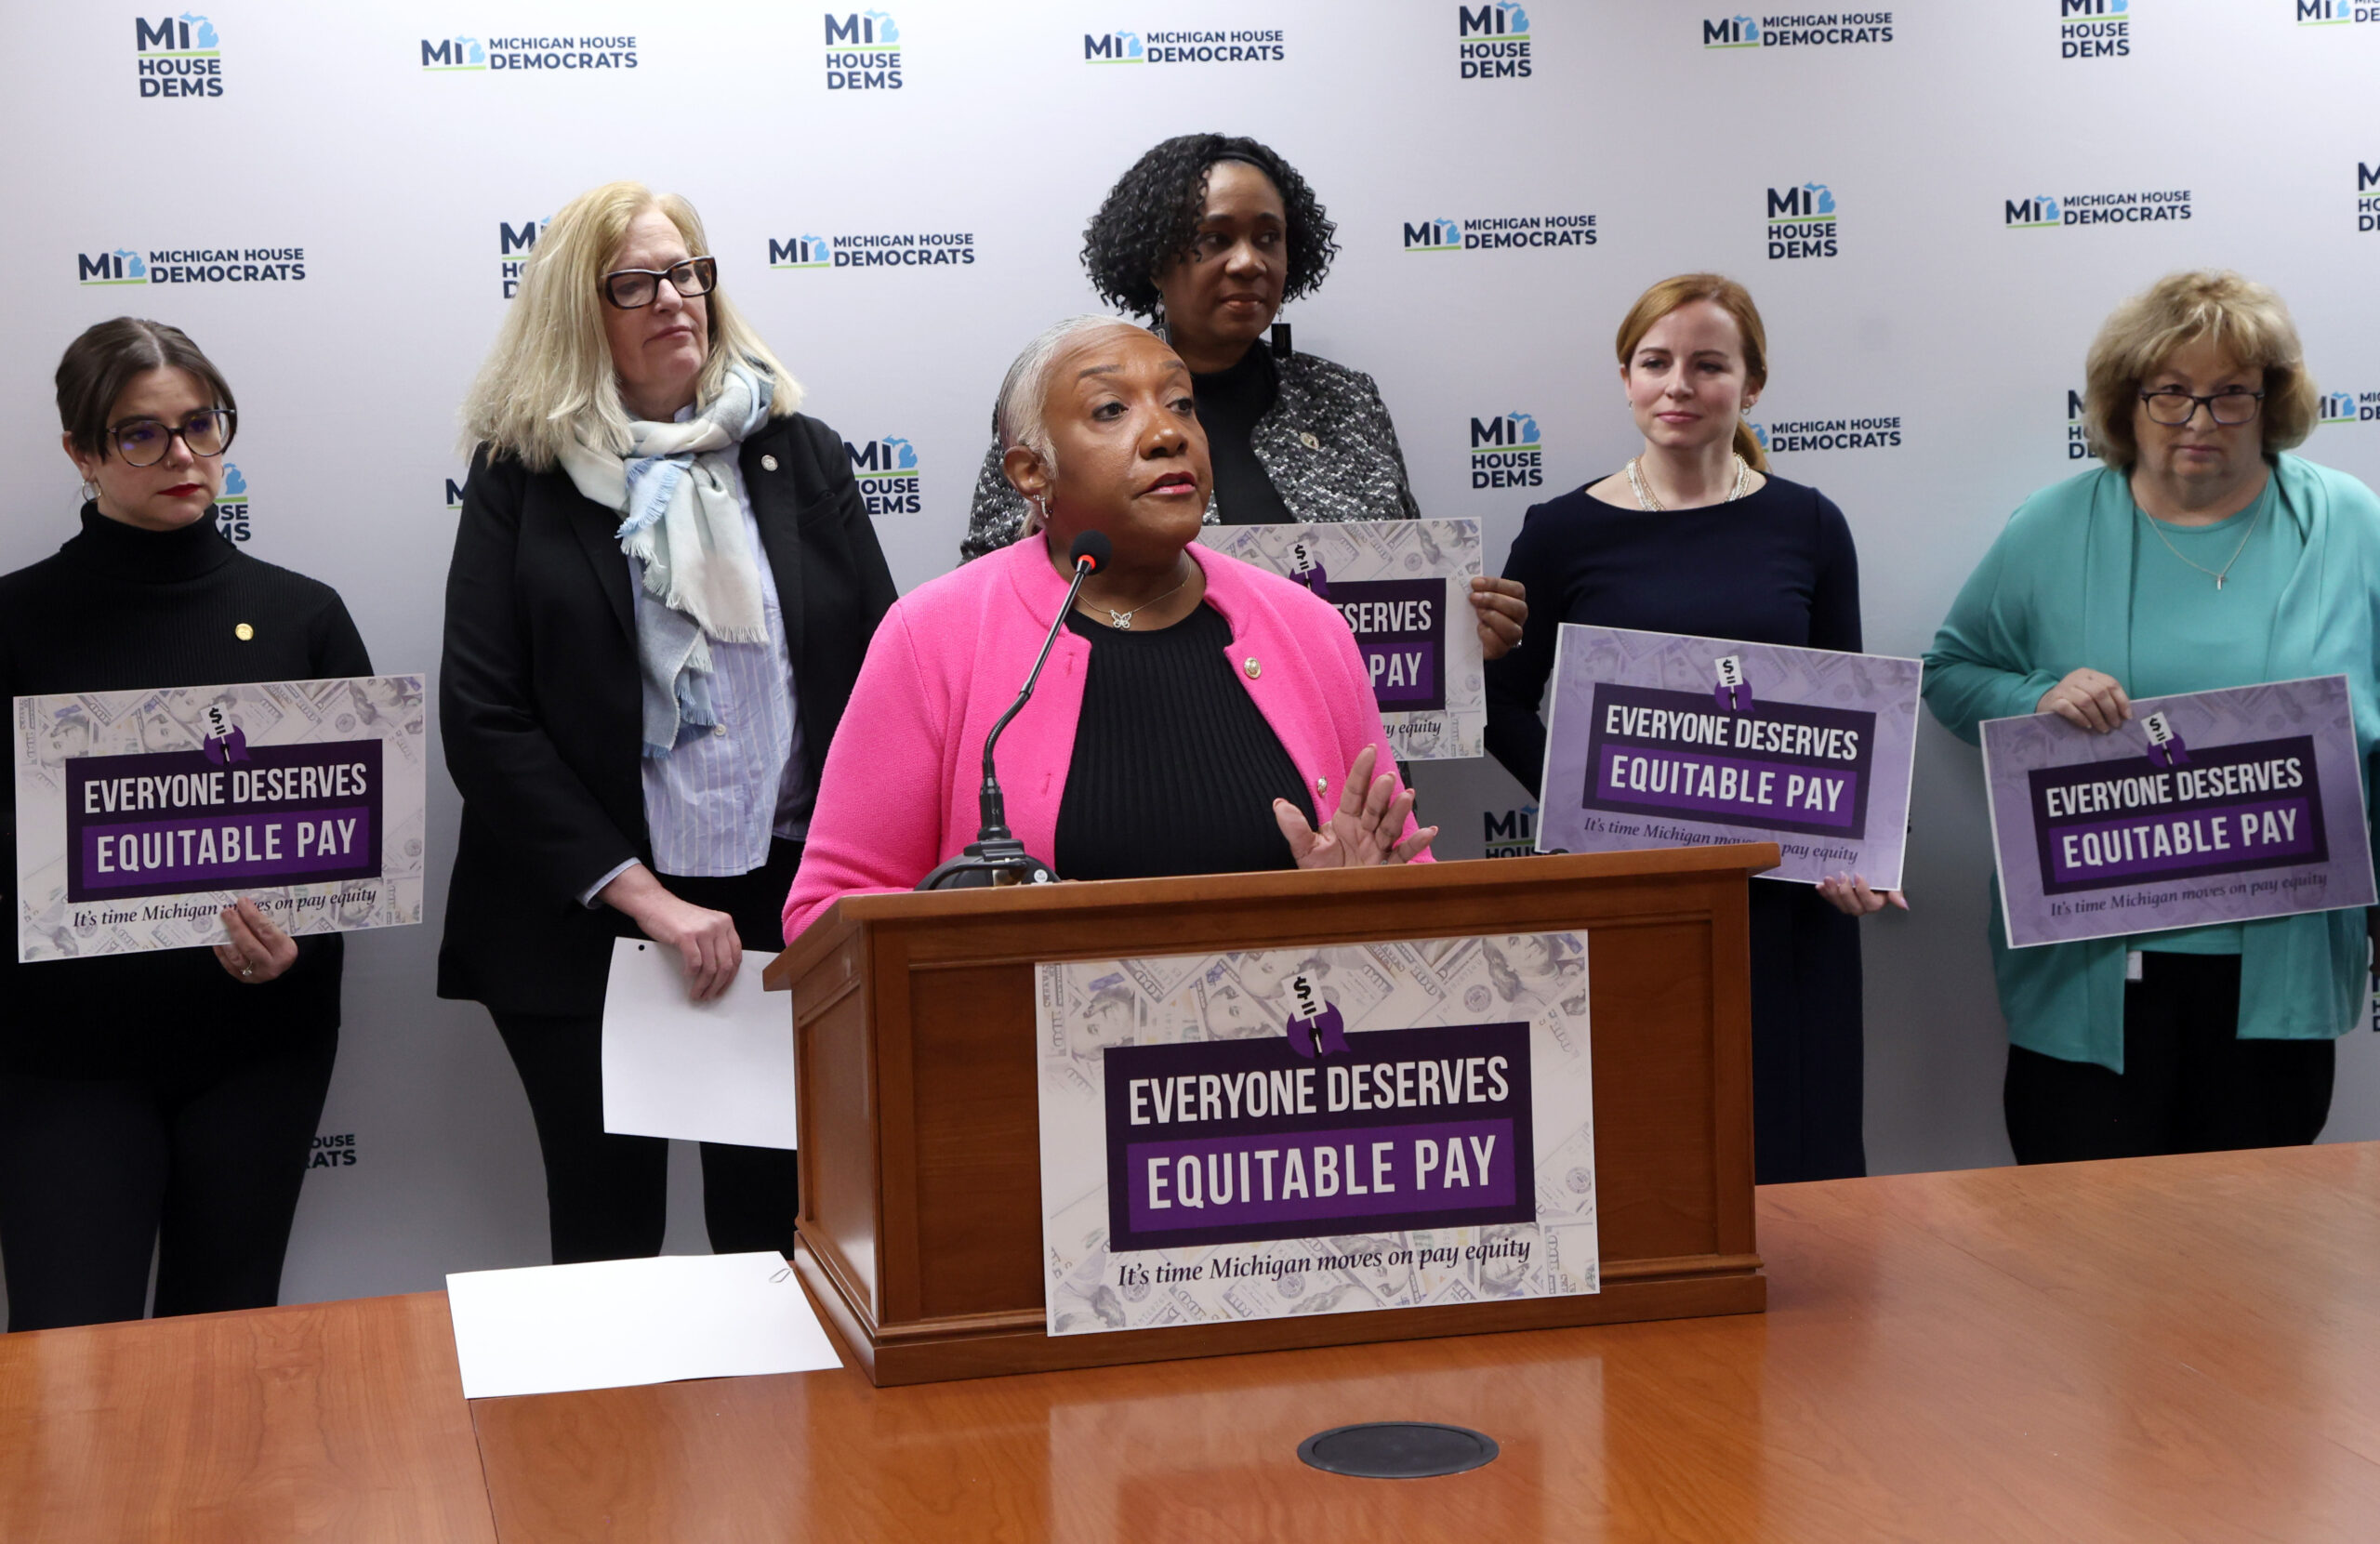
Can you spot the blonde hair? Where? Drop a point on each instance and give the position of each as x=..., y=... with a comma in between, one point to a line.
x=549, y=379
x=2244, y=319
x=1684, y=289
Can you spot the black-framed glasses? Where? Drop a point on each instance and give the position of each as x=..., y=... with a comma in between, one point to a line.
x=144, y=441
x=2175, y=409
x=630, y=288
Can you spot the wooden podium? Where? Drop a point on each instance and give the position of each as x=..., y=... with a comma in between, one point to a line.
x=913, y=1015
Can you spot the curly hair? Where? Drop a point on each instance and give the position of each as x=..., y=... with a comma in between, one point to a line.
x=1149, y=220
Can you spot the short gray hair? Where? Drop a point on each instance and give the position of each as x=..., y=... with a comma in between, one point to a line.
x=1026, y=387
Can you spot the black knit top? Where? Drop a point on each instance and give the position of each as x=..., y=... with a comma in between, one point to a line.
x=1174, y=768
x=1230, y=403
x=119, y=608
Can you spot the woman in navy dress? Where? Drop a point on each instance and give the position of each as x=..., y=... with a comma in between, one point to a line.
x=1694, y=535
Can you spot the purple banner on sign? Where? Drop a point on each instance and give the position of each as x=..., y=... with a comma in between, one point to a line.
x=207, y=852
x=174, y=822
x=1795, y=767
x=1400, y=629
x=2225, y=841
x=1741, y=791
x=1222, y=1141
x=1312, y=1183
x=2115, y=823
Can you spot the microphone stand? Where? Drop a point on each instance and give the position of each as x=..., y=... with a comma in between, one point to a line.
x=996, y=857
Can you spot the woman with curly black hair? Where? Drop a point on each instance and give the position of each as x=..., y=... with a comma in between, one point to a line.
x=1207, y=235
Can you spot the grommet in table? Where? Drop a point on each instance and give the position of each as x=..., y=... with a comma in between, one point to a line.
x=1397, y=1450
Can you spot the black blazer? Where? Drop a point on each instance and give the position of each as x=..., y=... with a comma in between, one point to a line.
x=540, y=705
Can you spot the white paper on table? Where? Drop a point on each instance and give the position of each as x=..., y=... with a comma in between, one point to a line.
x=615, y=1323
x=720, y=1071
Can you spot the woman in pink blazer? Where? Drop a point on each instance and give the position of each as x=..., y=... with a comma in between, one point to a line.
x=1198, y=715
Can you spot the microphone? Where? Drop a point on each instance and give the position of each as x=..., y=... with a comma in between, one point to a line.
x=996, y=857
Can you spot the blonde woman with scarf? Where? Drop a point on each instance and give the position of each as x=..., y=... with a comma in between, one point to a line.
x=664, y=582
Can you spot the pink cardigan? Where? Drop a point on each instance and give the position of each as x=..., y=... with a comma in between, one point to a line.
x=898, y=793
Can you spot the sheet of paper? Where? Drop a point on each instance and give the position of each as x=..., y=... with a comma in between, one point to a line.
x=615, y=1323
x=720, y=1071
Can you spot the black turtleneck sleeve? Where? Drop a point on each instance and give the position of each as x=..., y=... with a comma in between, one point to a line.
x=119, y=608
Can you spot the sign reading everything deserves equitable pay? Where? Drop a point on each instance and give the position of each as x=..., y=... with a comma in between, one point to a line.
x=1260, y=1134
x=1404, y=586
x=1657, y=740
x=2206, y=807
x=141, y=814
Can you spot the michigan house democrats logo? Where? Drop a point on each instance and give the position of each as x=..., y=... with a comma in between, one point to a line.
x=897, y=249
x=2336, y=13
x=1808, y=434
x=1507, y=452
x=1210, y=46
x=232, y=504
x=515, y=243
x=2093, y=29
x=2349, y=407
x=124, y=265
x=1804, y=30
x=2078, y=435
x=2367, y=197
x=1490, y=232
x=887, y=473
x=863, y=52
x=1801, y=222
x=177, y=56
x=2042, y=212
x=1491, y=41
x=465, y=53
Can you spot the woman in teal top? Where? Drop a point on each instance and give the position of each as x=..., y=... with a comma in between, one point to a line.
x=2198, y=556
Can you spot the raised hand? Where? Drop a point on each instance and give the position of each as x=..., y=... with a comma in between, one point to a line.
x=1363, y=829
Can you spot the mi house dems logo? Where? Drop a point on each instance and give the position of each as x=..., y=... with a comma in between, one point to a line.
x=902, y=249
x=515, y=243
x=1236, y=46
x=1492, y=42
x=177, y=56
x=887, y=473
x=1486, y=232
x=2077, y=438
x=124, y=265
x=465, y=53
x=2042, y=212
x=232, y=504
x=1506, y=451
x=1801, y=222
x=2335, y=13
x=2367, y=197
x=2093, y=29
x=1811, y=29
x=863, y=52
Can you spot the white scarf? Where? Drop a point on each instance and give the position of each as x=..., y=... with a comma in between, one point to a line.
x=682, y=523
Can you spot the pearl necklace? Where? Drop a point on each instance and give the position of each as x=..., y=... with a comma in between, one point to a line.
x=1644, y=499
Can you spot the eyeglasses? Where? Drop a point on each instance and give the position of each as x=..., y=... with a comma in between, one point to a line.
x=630, y=288
x=144, y=441
x=2175, y=409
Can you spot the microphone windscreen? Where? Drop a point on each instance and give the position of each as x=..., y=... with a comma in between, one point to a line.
x=1092, y=545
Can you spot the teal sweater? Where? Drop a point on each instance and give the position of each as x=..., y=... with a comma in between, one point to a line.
x=2055, y=595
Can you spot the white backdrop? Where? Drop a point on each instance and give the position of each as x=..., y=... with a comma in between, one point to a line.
x=364, y=138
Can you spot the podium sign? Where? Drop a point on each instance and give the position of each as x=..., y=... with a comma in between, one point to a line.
x=1284, y=1131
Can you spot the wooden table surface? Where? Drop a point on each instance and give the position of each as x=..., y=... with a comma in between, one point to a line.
x=2167, y=1349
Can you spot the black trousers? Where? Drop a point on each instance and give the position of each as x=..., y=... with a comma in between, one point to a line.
x=2190, y=1084
x=203, y=1168
x=607, y=1196
x=1806, y=1041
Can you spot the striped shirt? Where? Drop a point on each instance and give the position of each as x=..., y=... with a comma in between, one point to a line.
x=712, y=805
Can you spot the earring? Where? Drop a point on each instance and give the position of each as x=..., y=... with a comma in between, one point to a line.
x=90, y=492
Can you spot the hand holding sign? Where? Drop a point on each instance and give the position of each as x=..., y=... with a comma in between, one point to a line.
x=1362, y=831
x=259, y=951
x=2087, y=699
x=1503, y=605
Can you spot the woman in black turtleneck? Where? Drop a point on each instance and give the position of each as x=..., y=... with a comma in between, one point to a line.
x=163, y=1101
x=1208, y=235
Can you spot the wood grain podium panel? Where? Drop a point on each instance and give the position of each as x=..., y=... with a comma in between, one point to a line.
x=343, y=1422
x=913, y=1019
x=2162, y=1350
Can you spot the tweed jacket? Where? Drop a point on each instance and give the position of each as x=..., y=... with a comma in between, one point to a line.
x=1325, y=441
